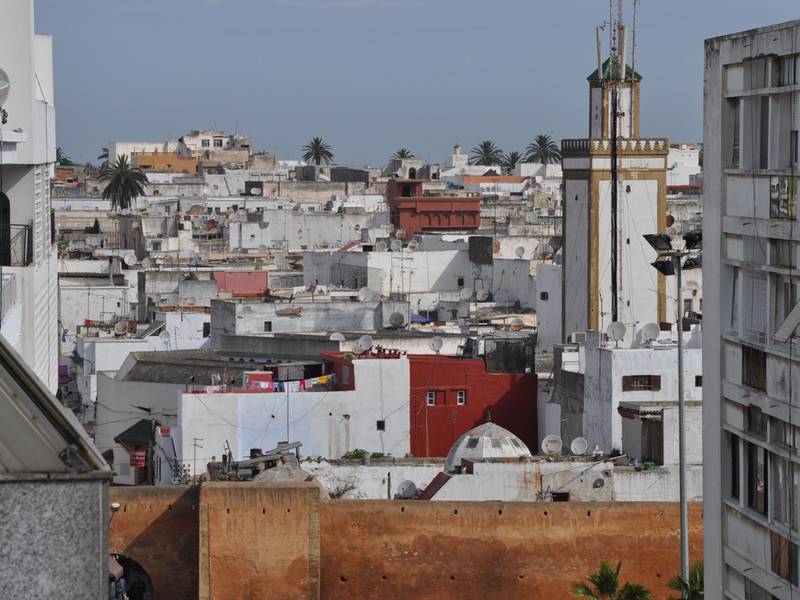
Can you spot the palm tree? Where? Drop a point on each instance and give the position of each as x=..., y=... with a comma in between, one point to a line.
x=402, y=153
x=103, y=155
x=605, y=586
x=486, y=154
x=62, y=158
x=125, y=183
x=543, y=150
x=318, y=152
x=694, y=590
x=510, y=160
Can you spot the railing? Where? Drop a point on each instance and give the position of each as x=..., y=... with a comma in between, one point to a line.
x=8, y=294
x=20, y=247
x=580, y=147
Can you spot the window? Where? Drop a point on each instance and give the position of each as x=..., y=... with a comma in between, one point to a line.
x=472, y=442
x=460, y=282
x=156, y=246
x=757, y=478
x=544, y=296
x=781, y=433
x=783, y=557
x=733, y=442
x=267, y=325
x=783, y=253
x=687, y=306
x=754, y=368
x=206, y=329
x=787, y=70
x=753, y=591
x=736, y=141
x=756, y=422
x=217, y=142
x=345, y=375
x=454, y=313
x=461, y=397
x=783, y=197
x=560, y=496
x=381, y=425
x=205, y=143
x=794, y=146
x=641, y=383
x=698, y=381
x=763, y=151
x=430, y=398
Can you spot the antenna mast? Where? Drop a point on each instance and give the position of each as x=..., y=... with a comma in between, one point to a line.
x=615, y=73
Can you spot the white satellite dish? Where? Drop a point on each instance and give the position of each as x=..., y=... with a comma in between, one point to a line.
x=147, y=263
x=616, y=331
x=579, y=446
x=520, y=251
x=436, y=344
x=156, y=298
x=397, y=319
x=396, y=245
x=650, y=332
x=482, y=295
x=121, y=327
x=552, y=444
x=380, y=246
x=363, y=344
x=366, y=295
x=129, y=260
x=400, y=233
x=543, y=251
x=412, y=246
x=516, y=324
x=5, y=86
x=337, y=337
x=164, y=335
x=407, y=490
x=465, y=294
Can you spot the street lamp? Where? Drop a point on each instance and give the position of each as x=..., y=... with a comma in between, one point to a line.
x=670, y=262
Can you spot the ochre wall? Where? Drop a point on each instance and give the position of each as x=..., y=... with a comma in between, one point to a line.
x=157, y=527
x=277, y=541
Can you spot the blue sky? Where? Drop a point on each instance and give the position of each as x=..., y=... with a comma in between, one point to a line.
x=369, y=76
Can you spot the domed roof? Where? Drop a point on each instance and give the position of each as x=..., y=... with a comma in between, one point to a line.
x=485, y=441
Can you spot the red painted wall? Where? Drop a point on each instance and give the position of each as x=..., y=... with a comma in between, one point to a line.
x=510, y=397
x=415, y=213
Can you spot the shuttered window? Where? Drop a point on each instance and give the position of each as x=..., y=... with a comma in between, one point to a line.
x=641, y=383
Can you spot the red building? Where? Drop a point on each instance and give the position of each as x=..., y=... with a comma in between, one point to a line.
x=451, y=395
x=414, y=212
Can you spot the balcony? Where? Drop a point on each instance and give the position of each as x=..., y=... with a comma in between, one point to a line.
x=19, y=252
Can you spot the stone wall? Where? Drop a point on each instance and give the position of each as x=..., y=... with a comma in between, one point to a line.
x=279, y=540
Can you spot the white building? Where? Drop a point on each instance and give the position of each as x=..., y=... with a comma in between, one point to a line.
x=546, y=179
x=28, y=149
x=117, y=149
x=625, y=398
x=683, y=164
x=752, y=119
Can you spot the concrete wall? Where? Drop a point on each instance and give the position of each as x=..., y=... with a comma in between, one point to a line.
x=279, y=541
x=54, y=539
x=548, y=307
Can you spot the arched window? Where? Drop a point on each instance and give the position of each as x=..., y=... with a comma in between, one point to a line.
x=412, y=173
x=137, y=584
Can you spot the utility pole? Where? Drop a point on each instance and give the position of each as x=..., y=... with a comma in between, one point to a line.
x=195, y=446
x=676, y=259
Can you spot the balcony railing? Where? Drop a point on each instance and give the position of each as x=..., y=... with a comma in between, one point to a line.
x=19, y=252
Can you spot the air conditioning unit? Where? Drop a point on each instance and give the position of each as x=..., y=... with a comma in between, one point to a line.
x=577, y=337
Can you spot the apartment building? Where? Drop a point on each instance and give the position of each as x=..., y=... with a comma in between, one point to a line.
x=751, y=356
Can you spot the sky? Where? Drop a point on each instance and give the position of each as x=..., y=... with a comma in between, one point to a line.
x=369, y=76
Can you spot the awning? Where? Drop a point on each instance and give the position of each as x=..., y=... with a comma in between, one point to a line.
x=139, y=433
x=415, y=318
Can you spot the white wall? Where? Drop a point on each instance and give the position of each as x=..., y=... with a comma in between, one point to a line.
x=575, y=252
x=548, y=312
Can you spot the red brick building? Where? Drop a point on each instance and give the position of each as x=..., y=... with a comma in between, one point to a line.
x=451, y=395
x=414, y=212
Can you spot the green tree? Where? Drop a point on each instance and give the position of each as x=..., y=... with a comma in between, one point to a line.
x=510, y=161
x=543, y=150
x=124, y=184
x=103, y=158
x=402, y=153
x=603, y=584
x=694, y=588
x=486, y=154
x=317, y=152
x=62, y=158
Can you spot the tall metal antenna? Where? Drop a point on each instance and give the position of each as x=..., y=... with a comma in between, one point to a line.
x=614, y=77
x=633, y=43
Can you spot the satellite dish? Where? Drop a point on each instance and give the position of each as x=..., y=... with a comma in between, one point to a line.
x=129, y=260
x=543, y=251
x=397, y=319
x=496, y=246
x=579, y=446
x=5, y=86
x=366, y=295
x=482, y=295
x=552, y=444
x=147, y=263
x=363, y=344
x=400, y=233
x=616, y=331
x=436, y=344
x=520, y=251
x=396, y=245
x=337, y=337
x=121, y=327
x=500, y=296
x=164, y=335
x=262, y=248
x=465, y=294
x=411, y=247
x=407, y=490
x=650, y=332
x=516, y=324
x=380, y=246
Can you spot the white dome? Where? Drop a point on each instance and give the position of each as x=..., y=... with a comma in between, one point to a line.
x=485, y=442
